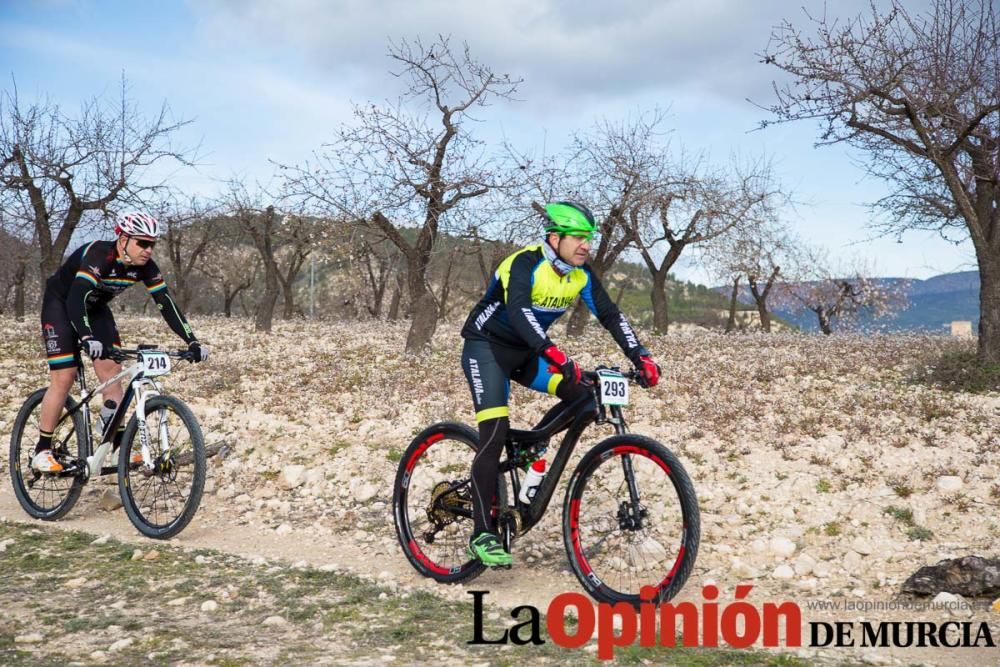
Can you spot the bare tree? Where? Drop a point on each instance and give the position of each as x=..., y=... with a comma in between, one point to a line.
x=694, y=206
x=259, y=222
x=838, y=294
x=191, y=231
x=297, y=236
x=395, y=168
x=61, y=167
x=754, y=253
x=920, y=94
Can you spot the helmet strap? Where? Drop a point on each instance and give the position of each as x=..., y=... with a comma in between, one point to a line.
x=561, y=266
x=125, y=255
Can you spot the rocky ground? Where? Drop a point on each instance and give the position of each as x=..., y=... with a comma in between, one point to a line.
x=827, y=470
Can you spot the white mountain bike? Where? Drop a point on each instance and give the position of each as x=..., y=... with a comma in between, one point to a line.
x=160, y=464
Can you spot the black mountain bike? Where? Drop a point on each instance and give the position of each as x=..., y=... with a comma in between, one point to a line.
x=160, y=464
x=630, y=516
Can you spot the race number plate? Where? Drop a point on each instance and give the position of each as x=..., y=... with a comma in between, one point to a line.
x=614, y=388
x=154, y=363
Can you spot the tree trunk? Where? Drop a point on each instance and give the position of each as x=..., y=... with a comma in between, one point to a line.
x=731, y=320
x=825, y=324
x=989, y=309
x=658, y=295
x=19, y=277
x=423, y=305
x=286, y=294
x=577, y=320
x=264, y=311
x=228, y=305
x=394, y=303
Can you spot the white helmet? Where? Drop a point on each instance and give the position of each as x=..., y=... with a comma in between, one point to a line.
x=138, y=224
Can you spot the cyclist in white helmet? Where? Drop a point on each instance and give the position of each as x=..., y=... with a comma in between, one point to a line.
x=76, y=317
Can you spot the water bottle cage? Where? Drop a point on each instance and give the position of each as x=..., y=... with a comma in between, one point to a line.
x=525, y=456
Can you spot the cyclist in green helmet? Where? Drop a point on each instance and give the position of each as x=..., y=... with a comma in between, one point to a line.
x=506, y=339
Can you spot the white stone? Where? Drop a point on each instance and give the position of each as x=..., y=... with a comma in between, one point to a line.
x=109, y=501
x=949, y=483
x=292, y=476
x=821, y=569
x=76, y=583
x=366, y=492
x=120, y=644
x=103, y=539
x=852, y=561
x=177, y=602
x=862, y=546
x=274, y=620
x=945, y=598
x=781, y=546
x=209, y=605
x=32, y=638
x=283, y=529
x=804, y=564
x=783, y=572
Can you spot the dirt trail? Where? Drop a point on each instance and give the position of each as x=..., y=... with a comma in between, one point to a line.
x=528, y=584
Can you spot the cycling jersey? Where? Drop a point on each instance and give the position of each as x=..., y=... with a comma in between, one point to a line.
x=527, y=295
x=76, y=299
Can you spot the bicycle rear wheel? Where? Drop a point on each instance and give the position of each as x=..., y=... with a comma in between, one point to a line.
x=161, y=493
x=620, y=538
x=47, y=496
x=432, y=502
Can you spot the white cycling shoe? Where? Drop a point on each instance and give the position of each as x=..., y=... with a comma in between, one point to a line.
x=44, y=461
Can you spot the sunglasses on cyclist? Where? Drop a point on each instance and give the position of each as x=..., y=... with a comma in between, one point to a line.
x=143, y=243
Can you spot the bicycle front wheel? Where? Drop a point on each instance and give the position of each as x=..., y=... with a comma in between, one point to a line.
x=161, y=483
x=47, y=496
x=630, y=521
x=432, y=502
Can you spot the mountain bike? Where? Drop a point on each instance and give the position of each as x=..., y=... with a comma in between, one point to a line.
x=160, y=463
x=629, y=518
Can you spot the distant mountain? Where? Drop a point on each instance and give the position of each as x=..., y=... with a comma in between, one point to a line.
x=933, y=304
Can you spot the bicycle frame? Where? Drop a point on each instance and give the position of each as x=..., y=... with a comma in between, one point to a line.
x=582, y=416
x=139, y=387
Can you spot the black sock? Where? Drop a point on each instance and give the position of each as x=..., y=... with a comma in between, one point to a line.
x=44, y=441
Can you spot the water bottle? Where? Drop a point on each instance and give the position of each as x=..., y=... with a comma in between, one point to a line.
x=532, y=481
x=107, y=411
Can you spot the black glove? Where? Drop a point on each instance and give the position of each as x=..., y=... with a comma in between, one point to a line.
x=197, y=351
x=92, y=347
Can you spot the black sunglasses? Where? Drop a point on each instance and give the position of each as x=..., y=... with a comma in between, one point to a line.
x=143, y=243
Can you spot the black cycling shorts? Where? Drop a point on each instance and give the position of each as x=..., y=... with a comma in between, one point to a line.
x=62, y=346
x=489, y=368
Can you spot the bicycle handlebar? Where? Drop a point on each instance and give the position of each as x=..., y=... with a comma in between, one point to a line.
x=633, y=375
x=121, y=354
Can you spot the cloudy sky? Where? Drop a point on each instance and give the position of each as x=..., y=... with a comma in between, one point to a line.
x=272, y=80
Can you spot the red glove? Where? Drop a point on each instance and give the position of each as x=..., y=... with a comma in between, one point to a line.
x=563, y=364
x=650, y=371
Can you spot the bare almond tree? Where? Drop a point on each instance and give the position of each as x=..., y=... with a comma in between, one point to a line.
x=190, y=232
x=752, y=253
x=412, y=164
x=920, y=94
x=61, y=167
x=259, y=222
x=840, y=295
x=232, y=262
x=695, y=206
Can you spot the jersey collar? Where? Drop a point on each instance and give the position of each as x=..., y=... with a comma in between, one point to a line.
x=561, y=267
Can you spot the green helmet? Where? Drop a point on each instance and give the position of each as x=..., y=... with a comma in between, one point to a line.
x=566, y=217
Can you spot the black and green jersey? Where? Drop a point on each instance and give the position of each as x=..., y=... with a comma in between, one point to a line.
x=527, y=295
